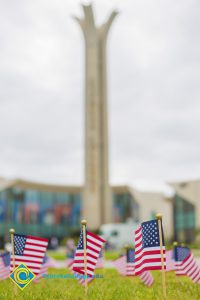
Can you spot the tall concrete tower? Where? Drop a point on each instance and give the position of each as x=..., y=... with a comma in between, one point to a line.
x=97, y=204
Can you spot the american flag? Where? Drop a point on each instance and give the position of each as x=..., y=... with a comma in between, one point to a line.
x=93, y=247
x=70, y=257
x=29, y=250
x=147, y=248
x=146, y=276
x=44, y=269
x=79, y=277
x=4, y=265
x=130, y=262
x=54, y=263
x=100, y=261
x=120, y=265
x=186, y=264
x=170, y=263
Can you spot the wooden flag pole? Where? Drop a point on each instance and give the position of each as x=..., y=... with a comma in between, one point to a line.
x=159, y=219
x=12, y=232
x=83, y=223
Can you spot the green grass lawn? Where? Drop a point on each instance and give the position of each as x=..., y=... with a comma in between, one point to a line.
x=111, y=287
x=57, y=255
x=109, y=255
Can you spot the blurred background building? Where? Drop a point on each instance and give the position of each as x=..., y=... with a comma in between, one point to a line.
x=53, y=210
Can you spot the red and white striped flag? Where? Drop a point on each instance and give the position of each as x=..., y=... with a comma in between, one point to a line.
x=29, y=250
x=54, y=264
x=126, y=268
x=147, y=278
x=4, y=265
x=147, y=248
x=186, y=264
x=130, y=262
x=120, y=265
x=44, y=269
x=93, y=247
x=170, y=263
x=100, y=261
x=70, y=257
x=80, y=277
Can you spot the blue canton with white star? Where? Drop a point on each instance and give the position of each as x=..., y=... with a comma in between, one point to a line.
x=180, y=253
x=19, y=242
x=150, y=234
x=6, y=259
x=80, y=243
x=130, y=256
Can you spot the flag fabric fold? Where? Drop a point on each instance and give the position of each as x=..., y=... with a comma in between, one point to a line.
x=170, y=262
x=100, y=261
x=80, y=277
x=44, y=268
x=126, y=267
x=120, y=265
x=147, y=278
x=70, y=257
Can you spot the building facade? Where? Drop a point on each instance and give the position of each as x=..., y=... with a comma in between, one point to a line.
x=184, y=220
x=189, y=192
x=53, y=210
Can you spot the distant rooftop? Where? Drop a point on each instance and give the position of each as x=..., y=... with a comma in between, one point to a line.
x=26, y=184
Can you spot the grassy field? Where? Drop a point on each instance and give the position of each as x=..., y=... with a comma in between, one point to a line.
x=111, y=287
x=109, y=255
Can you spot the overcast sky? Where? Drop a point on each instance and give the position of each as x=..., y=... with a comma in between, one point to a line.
x=153, y=90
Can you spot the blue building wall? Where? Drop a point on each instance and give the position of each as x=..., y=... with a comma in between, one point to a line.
x=48, y=214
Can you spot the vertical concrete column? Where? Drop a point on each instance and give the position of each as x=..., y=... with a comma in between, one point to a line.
x=97, y=204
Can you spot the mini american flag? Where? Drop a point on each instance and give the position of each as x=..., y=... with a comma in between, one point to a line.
x=125, y=266
x=80, y=277
x=29, y=250
x=4, y=265
x=54, y=263
x=120, y=265
x=170, y=263
x=70, y=257
x=146, y=276
x=147, y=248
x=186, y=264
x=44, y=269
x=100, y=261
x=93, y=247
x=130, y=262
